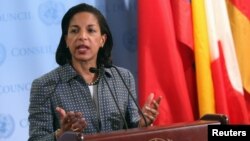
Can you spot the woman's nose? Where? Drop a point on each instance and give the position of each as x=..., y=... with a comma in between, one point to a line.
x=83, y=35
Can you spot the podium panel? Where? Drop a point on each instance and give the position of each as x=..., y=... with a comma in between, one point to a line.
x=193, y=131
x=188, y=131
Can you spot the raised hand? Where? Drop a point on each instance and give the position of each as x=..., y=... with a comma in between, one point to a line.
x=70, y=121
x=150, y=110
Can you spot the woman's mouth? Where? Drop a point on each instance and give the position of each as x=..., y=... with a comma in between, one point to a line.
x=82, y=48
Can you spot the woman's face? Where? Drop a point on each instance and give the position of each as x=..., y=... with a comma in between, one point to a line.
x=84, y=37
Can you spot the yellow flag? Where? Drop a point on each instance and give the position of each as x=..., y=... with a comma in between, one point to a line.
x=202, y=59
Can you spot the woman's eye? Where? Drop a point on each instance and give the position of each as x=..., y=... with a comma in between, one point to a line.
x=73, y=30
x=91, y=30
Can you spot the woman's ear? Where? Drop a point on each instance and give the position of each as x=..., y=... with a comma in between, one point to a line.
x=103, y=39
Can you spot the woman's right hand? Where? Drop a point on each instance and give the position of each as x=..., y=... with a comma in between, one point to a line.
x=70, y=121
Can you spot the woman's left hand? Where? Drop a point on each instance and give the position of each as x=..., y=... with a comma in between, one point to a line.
x=150, y=110
x=70, y=121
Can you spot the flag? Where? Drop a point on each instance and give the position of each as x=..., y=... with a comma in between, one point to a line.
x=239, y=15
x=182, y=17
x=226, y=77
x=202, y=59
x=161, y=69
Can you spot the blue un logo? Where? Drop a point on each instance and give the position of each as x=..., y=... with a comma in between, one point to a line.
x=6, y=126
x=2, y=54
x=51, y=12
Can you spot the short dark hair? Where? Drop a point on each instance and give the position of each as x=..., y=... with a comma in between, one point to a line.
x=63, y=55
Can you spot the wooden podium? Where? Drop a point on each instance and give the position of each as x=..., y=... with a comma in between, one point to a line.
x=188, y=131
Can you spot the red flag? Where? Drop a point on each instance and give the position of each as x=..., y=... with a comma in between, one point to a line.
x=184, y=34
x=160, y=66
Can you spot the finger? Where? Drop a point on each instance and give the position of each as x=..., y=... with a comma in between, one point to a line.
x=156, y=102
x=75, y=116
x=83, y=124
x=71, y=117
x=66, y=125
x=150, y=118
x=68, y=120
x=152, y=111
x=155, y=105
x=76, y=129
x=149, y=99
x=78, y=115
x=81, y=120
x=61, y=112
x=70, y=114
x=79, y=125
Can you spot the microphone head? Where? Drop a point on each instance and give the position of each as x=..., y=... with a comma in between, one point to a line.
x=93, y=70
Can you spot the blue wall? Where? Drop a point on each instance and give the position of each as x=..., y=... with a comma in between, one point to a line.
x=29, y=35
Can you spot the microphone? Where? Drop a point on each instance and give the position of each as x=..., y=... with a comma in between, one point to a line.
x=129, y=92
x=95, y=70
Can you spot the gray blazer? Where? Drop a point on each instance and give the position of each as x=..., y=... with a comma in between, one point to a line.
x=65, y=88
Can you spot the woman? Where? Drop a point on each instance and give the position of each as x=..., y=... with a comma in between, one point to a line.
x=86, y=93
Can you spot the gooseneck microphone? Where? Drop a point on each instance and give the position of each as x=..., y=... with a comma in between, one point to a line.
x=95, y=70
x=139, y=109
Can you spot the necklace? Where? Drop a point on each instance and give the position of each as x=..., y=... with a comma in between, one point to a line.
x=94, y=82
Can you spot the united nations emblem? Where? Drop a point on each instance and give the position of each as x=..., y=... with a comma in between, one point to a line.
x=6, y=126
x=2, y=54
x=51, y=12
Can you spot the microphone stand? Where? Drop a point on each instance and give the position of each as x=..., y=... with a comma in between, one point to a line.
x=139, y=109
x=95, y=70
